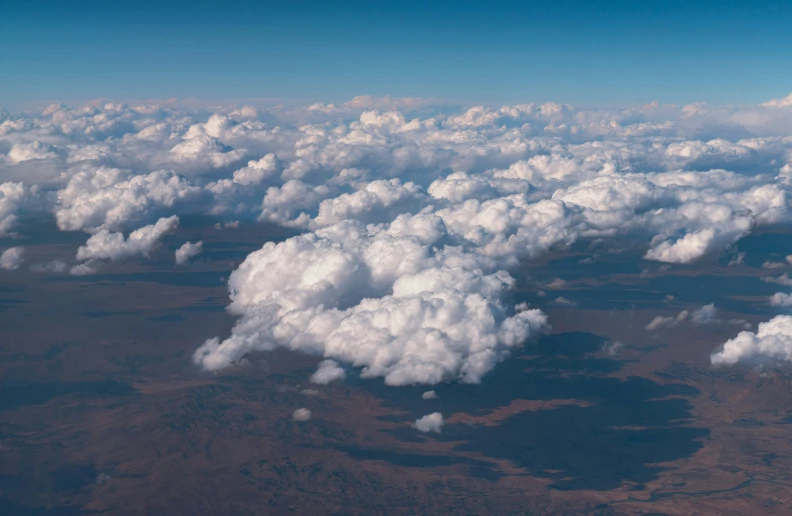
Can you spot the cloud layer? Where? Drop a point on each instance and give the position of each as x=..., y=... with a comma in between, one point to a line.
x=411, y=217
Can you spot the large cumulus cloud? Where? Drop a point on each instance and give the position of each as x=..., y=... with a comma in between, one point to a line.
x=772, y=342
x=385, y=298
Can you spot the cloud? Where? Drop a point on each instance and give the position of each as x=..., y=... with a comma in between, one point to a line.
x=782, y=102
x=301, y=414
x=737, y=260
x=741, y=322
x=227, y=225
x=689, y=248
x=665, y=322
x=205, y=150
x=328, y=371
x=430, y=423
x=83, y=269
x=376, y=201
x=613, y=348
x=781, y=299
x=772, y=342
x=109, y=198
x=12, y=258
x=113, y=246
x=257, y=171
x=783, y=279
x=705, y=315
x=187, y=251
x=382, y=298
x=557, y=283
x=413, y=212
x=496, y=206
x=12, y=196
x=429, y=395
x=51, y=266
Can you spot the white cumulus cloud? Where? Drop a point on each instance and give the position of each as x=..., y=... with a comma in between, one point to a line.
x=429, y=395
x=105, y=245
x=12, y=258
x=781, y=299
x=328, y=371
x=429, y=423
x=187, y=251
x=664, y=322
x=301, y=414
x=771, y=342
x=706, y=314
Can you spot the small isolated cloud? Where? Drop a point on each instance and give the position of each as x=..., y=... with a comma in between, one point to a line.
x=102, y=478
x=51, y=266
x=774, y=265
x=667, y=322
x=301, y=414
x=187, y=251
x=521, y=307
x=781, y=299
x=737, y=260
x=706, y=314
x=429, y=423
x=783, y=279
x=612, y=348
x=114, y=247
x=740, y=322
x=12, y=258
x=83, y=269
x=557, y=283
x=771, y=342
x=328, y=371
x=429, y=395
x=562, y=301
x=309, y=392
x=227, y=225
x=669, y=298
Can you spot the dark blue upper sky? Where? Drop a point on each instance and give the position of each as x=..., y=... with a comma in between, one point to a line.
x=607, y=52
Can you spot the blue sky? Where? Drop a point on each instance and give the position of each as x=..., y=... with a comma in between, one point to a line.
x=603, y=53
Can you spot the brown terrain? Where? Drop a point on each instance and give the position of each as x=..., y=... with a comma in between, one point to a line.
x=102, y=411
